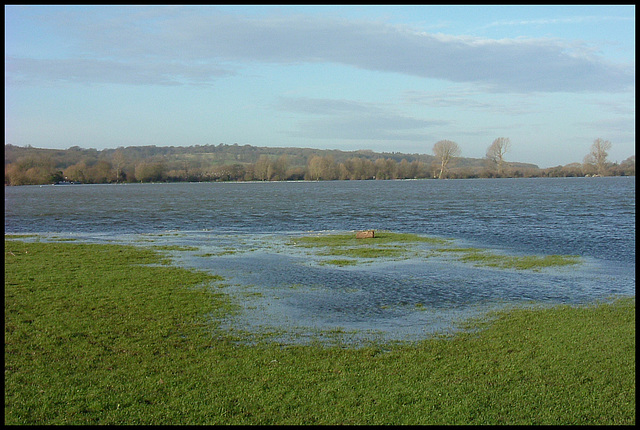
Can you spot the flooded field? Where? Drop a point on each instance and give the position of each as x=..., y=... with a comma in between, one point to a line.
x=444, y=251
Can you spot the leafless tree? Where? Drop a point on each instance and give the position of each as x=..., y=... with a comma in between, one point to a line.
x=118, y=162
x=278, y=170
x=496, y=151
x=598, y=156
x=445, y=150
x=322, y=168
x=261, y=168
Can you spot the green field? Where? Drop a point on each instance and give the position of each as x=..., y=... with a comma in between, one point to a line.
x=106, y=334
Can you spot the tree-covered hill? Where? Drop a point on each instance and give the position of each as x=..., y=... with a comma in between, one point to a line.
x=28, y=165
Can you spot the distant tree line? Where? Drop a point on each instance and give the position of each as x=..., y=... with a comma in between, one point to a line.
x=204, y=163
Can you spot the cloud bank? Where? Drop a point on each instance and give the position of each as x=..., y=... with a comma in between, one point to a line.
x=167, y=46
x=347, y=119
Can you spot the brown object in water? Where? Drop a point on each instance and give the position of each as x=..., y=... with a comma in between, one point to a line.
x=366, y=234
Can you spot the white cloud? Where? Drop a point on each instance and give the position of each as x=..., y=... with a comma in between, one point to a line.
x=561, y=21
x=326, y=106
x=619, y=125
x=131, y=72
x=346, y=119
x=167, y=45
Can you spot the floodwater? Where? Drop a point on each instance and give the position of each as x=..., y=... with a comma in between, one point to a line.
x=246, y=233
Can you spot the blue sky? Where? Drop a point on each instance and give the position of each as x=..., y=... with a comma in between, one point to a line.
x=385, y=78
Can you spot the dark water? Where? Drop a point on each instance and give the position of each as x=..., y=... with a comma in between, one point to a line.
x=282, y=287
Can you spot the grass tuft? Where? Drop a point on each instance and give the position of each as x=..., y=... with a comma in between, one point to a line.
x=527, y=262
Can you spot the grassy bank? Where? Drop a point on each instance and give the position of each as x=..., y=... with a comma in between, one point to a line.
x=101, y=334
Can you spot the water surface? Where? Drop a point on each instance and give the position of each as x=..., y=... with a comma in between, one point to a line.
x=242, y=231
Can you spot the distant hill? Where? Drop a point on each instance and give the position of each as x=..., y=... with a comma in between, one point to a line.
x=28, y=165
x=230, y=154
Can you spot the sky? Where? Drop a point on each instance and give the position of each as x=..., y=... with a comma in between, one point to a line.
x=385, y=78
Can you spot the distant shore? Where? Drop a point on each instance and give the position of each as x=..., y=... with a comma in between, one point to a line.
x=234, y=163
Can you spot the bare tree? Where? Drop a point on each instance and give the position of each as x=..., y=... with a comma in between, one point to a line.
x=322, y=167
x=118, y=162
x=598, y=156
x=261, y=168
x=496, y=151
x=277, y=170
x=445, y=150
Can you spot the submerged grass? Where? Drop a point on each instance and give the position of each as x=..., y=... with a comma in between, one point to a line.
x=364, y=252
x=381, y=238
x=339, y=262
x=174, y=248
x=481, y=257
x=384, y=245
x=401, y=245
x=102, y=334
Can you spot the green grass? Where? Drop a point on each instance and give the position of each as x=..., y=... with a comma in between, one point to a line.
x=481, y=257
x=174, y=248
x=402, y=245
x=102, y=334
x=381, y=238
x=339, y=262
x=384, y=245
